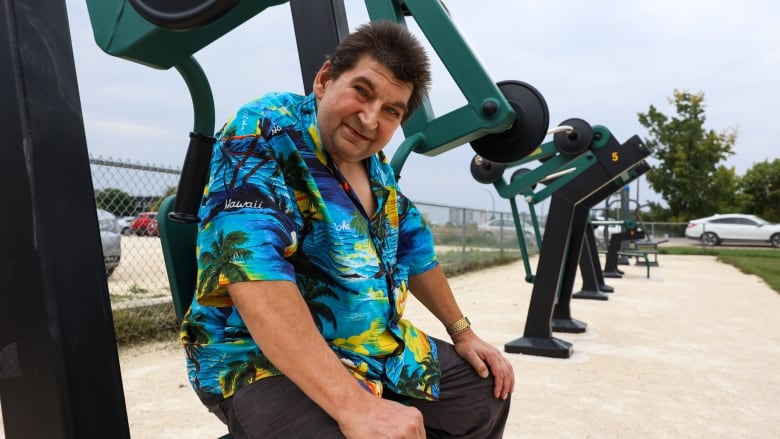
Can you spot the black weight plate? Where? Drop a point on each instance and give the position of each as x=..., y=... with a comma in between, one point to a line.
x=575, y=142
x=519, y=173
x=526, y=133
x=182, y=15
x=486, y=171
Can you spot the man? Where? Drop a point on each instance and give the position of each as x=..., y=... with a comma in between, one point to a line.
x=307, y=251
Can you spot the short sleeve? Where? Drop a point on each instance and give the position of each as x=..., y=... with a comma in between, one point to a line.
x=415, y=241
x=248, y=215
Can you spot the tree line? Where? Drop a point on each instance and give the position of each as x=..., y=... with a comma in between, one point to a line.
x=690, y=174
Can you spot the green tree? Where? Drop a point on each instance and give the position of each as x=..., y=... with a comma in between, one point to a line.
x=116, y=201
x=759, y=190
x=154, y=205
x=689, y=175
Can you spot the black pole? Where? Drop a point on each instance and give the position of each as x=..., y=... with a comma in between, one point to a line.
x=320, y=25
x=590, y=269
x=59, y=368
x=562, y=321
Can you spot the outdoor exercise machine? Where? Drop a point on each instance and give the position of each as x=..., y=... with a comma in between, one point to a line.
x=576, y=169
x=58, y=358
x=562, y=159
x=503, y=121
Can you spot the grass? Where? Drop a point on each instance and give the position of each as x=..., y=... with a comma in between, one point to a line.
x=764, y=263
x=145, y=323
x=456, y=262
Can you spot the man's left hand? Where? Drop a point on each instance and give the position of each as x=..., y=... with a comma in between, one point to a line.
x=486, y=360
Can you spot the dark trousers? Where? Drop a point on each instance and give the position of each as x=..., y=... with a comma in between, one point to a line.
x=276, y=408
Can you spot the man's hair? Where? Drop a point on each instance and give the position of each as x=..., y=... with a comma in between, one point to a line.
x=393, y=46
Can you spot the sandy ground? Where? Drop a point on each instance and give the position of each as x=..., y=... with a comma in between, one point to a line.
x=690, y=352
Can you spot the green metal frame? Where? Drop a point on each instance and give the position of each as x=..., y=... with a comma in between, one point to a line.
x=178, y=242
x=120, y=31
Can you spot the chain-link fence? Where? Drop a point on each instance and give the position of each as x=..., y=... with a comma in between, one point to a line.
x=137, y=280
x=466, y=239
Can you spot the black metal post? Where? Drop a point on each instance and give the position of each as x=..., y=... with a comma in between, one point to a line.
x=59, y=368
x=320, y=25
x=537, y=337
x=590, y=269
x=562, y=321
x=616, y=242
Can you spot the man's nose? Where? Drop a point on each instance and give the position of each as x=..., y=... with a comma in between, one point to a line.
x=369, y=117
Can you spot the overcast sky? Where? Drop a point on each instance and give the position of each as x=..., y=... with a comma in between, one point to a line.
x=602, y=61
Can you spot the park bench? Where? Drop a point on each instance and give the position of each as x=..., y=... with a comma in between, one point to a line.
x=638, y=248
x=641, y=251
x=648, y=248
x=640, y=256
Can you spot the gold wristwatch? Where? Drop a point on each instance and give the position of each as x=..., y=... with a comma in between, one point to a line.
x=458, y=326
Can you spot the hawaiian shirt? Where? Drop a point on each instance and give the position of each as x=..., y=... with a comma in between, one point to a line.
x=277, y=208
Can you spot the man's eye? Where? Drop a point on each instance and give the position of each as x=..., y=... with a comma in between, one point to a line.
x=361, y=91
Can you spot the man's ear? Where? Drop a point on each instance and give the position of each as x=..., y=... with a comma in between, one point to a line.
x=321, y=80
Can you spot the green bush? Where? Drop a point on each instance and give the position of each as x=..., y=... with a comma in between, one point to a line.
x=135, y=325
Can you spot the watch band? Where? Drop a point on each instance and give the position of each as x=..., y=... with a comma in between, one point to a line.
x=458, y=326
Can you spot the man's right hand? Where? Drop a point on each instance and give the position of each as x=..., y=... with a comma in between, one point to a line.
x=383, y=419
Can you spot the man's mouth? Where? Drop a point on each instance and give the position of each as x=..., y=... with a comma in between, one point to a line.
x=358, y=134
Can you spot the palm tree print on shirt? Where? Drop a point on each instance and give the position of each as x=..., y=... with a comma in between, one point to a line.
x=220, y=262
x=254, y=367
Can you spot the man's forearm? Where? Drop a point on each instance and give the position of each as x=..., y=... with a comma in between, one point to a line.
x=433, y=291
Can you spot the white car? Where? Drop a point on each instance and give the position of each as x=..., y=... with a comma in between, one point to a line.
x=717, y=228
x=605, y=228
x=505, y=227
x=110, y=240
x=123, y=224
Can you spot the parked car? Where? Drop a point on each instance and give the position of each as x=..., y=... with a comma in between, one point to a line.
x=123, y=223
x=715, y=229
x=604, y=228
x=145, y=224
x=494, y=228
x=110, y=240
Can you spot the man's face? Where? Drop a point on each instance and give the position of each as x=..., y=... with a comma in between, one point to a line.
x=358, y=113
